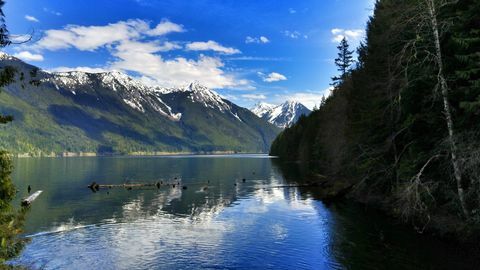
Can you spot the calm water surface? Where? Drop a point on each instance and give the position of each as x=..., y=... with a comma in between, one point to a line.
x=218, y=222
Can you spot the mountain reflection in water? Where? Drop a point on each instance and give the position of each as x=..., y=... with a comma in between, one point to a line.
x=219, y=221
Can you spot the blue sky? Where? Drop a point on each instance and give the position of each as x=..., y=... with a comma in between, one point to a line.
x=249, y=51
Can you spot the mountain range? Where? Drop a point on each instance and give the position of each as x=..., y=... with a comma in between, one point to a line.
x=114, y=113
x=283, y=115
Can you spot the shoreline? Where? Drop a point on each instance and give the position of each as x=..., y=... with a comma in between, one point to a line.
x=132, y=154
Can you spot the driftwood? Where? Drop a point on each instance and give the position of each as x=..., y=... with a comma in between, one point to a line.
x=28, y=200
x=96, y=187
x=331, y=191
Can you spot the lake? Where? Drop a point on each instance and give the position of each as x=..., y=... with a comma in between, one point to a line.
x=218, y=222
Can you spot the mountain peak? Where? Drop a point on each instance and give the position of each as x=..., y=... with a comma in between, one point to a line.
x=282, y=115
x=6, y=56
x=206, y=96
x=116, y=78
x=197, y=86
x=113, y=112
x=261, y=108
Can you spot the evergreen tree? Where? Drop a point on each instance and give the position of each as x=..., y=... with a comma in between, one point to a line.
x=323, y=102
x=413, y=107
x=467, y=56
x=343, y=61
x=7, y=74
x=11, y=221
x=4, y=37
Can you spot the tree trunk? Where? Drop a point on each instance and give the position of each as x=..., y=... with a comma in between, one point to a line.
x=446, y=107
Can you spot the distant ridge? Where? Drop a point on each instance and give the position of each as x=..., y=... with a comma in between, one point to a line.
x=111, y=112
x=282, y=115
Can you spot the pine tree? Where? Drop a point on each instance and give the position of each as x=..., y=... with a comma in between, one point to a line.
x=7, y=74
x=11, y=221
x=467, y=41
x=343, y=61
x=4, y=36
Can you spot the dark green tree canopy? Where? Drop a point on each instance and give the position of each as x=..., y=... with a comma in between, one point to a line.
x=386, y=123
x=343, y=61
x=4, y=36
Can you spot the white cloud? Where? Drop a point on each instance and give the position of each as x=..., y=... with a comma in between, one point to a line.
x=292, y=11
x=82, y=69
x=28, y=56
x=272, y=77
x=294, y=34
x=210, y=46
x=133, y=48
x=254, y=96
x=261, y=39
x=56, y=13
x=349, y=34
x=141, y=58
x=169, y=46
x=90, y=38
x=166, y=27
x=31, y=18
x=264, y=39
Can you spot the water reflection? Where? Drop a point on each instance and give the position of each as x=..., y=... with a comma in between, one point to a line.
x=232, y=224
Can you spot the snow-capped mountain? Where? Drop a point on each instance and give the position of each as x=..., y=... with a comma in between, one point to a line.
x=136, y=94
x=262, y=108
x=282, y=115
x=113, y=112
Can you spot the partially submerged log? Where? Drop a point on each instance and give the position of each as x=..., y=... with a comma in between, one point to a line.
x=94, y=186
x=28, y=200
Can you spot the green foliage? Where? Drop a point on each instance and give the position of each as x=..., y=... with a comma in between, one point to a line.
x=11, y=221
x=343, y=61
x=384, y=123
x=54, y=120
x=7, y=189
x=4, y=36
x=7, y=75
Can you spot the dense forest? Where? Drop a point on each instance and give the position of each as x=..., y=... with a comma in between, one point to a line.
x=403, y=120
x=11, y=219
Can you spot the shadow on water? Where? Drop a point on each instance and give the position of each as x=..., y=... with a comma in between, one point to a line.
x=365, y=238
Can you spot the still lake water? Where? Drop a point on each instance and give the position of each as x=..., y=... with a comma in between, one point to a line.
x=231, y=224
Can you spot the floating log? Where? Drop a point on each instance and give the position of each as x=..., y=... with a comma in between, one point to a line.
x=28, y=200
x=98, y=186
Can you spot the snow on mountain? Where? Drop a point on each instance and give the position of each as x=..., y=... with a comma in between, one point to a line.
x=207, y=97
x=282, y=115
x=115, y=79
x=69, y=80
x=111, y=112
x=262, y=108
x=6, y=56
x=134, y=93
x=138, y=95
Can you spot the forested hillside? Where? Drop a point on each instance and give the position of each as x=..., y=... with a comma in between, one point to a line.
x=112, y=113
x=404, y=121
